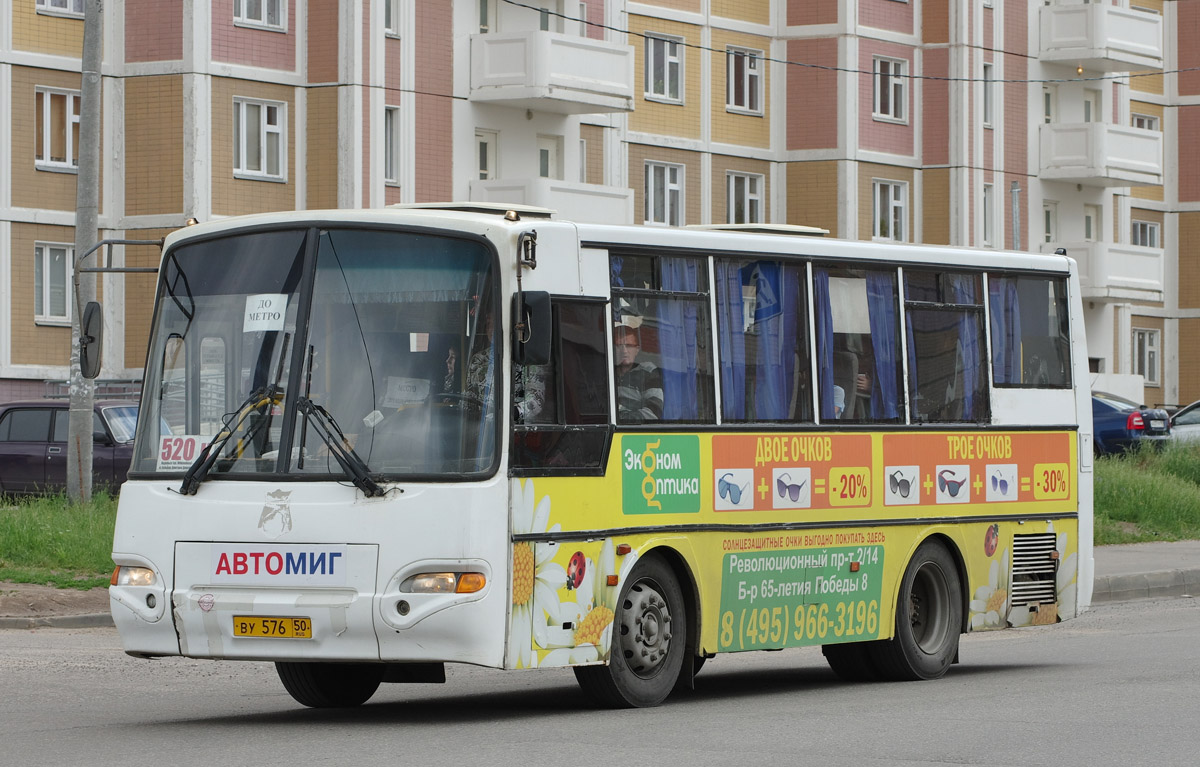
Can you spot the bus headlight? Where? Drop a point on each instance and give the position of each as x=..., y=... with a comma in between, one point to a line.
x=132, y=576
x=444, y=583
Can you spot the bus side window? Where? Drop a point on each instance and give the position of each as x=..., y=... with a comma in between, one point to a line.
x=858, y=344
x=762, y=331
x=947, y=371
x=560, y=409
x=661, y=306
x=1031, y=342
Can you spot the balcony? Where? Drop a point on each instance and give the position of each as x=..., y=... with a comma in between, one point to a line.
x=1114, y=272
x=1101, y=37
x=572, y=201
x=552, y=72
x=1101, y=154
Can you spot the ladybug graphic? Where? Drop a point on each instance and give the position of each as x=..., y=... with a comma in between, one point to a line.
x=575, y=569
x=990, y=539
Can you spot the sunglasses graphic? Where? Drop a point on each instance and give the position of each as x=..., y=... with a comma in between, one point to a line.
x=998, y=483
x=901, y=485
x=951, y=486
x=788, y=489
x=729, y=490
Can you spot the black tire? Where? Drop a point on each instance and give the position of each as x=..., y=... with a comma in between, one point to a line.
x=852, y=661
x=648, y=643
x=331, y=685
x=928, y=619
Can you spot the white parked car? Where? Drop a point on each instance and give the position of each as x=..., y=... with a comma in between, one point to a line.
x=1185, y=424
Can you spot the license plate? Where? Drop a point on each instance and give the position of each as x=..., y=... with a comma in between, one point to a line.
x=272, y=627
x=1156, y=423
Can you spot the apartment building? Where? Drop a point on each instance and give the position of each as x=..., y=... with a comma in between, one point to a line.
x=991, y=123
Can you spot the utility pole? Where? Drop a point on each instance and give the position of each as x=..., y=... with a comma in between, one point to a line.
x=87, y=196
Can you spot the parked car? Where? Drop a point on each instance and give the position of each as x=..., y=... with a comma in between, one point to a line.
x=33, y=445
x=1119, y=424
x=1185, y=424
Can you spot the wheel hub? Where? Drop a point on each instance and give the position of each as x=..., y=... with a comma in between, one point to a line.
x=645, y=629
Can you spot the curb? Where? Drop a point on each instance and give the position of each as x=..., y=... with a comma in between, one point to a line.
x=93, y=620
x=1163, y=583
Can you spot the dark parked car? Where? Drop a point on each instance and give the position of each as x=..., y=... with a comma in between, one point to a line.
x=33, y=445
x=1119, y=424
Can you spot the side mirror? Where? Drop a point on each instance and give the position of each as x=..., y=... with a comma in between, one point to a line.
x=100, y=437
x=91, y=340
x=531, y=343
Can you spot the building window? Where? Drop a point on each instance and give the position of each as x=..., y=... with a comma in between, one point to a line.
x=1145, y=234
x=1091, y=223
x=583, y=174
x=1050, y=221
x=391, y=18
x=744, y=198
x=1145, y=355
x=988, y=95
x=57, y=131
x=487, y=15
x=259, y=13
x=61, y=7
x=550, y=156
x=664, y=193
x=743, y=88
x=989, y=215
x=891, y=89
x=51, y=282
x=1049, y=102
x=891, y=204
x=258, y=145
x=485, y=143
x=391, y=145
x=1145, y=122
x=664, y=69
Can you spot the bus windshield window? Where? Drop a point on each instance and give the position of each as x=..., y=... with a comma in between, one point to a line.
x=947, y=372
x=402, y=354
x=858, y=344
x=762, y=327
x=1031, y=342
x=398, y=355
x=243, y=289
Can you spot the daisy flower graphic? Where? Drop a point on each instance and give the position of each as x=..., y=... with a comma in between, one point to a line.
x=536, y=579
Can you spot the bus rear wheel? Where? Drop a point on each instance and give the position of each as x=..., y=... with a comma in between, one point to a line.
x=330, y=685
x=648, y=644
x=928, y=618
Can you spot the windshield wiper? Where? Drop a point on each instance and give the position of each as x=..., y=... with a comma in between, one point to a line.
x=198, y=471
x=263, y=396
x=331, y=434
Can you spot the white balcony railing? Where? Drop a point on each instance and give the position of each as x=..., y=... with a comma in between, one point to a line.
x=1115, y=272
x=571, y=201
x=1101, y=154
x=552, y=72
x=1101, y=37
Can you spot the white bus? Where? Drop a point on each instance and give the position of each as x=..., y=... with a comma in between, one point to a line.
x=422, y=435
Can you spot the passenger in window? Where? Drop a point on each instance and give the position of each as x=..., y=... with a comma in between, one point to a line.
x=530, y=384
x=639, y=382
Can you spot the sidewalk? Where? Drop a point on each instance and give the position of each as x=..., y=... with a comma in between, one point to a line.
x=1123, y=573
x=1146, y=570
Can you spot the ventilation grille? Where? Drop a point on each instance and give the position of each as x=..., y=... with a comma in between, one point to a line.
x=1034, y=567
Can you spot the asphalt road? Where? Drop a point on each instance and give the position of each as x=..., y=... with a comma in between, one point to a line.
x=1118, y=686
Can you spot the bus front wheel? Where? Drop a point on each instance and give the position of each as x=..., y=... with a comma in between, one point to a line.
x=928, y=619
x=648, y=644
x=330, y=685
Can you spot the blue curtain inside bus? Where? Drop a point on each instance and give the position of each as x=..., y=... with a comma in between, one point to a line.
x=778, y=317
x=881, y=306
x=824, y=319
x=1006, y=329
x=962, y=291
x=678, y=339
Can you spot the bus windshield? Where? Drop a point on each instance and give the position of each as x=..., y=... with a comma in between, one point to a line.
x=386, y=356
